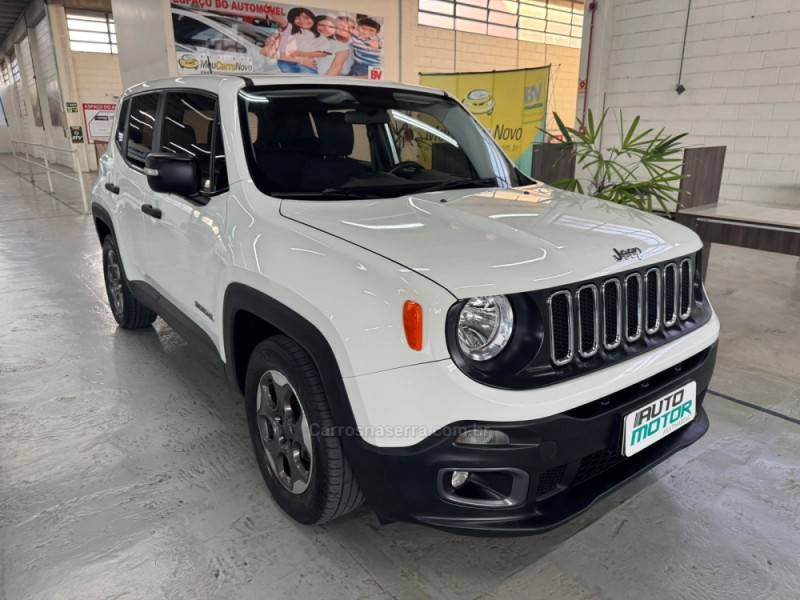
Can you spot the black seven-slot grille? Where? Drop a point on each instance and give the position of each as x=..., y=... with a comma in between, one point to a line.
x=630, y=306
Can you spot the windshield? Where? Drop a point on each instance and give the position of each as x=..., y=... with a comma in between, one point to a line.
x=338, y=142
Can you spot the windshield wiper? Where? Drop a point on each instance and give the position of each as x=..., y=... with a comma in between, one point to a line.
x=461, y=183
x=327, y=193
x=384, y=191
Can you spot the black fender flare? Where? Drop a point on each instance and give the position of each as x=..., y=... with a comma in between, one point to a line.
x=101, y=214
x=281, y=318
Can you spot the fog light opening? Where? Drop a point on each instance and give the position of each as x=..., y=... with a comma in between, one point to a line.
x=501, y=487
x=483, y=437
x=459, y=478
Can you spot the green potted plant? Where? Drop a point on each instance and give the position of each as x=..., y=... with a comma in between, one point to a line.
x=642, y=169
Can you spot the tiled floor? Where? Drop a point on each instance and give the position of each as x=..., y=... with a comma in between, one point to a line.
x=66, y=192
x=126, y=469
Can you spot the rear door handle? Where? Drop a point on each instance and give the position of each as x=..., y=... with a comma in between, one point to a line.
x=153, y=212
x=114, y=189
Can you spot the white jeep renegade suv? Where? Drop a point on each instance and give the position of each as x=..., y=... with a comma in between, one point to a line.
x=412, y=321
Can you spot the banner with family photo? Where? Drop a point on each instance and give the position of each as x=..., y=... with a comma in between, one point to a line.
x=230, y=36
x=512, y=105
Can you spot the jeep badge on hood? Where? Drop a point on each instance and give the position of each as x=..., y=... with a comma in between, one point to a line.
x=627, y=253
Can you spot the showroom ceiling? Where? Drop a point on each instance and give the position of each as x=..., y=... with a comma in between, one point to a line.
x=10, y=10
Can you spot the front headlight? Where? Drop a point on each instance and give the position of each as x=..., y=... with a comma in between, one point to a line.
x=484, y=327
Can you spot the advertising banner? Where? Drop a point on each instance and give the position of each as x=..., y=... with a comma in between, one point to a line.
x=512, y=105
x=231, y=36
x=98, y=119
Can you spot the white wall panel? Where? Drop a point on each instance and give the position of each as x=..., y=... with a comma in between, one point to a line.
x=742, y=78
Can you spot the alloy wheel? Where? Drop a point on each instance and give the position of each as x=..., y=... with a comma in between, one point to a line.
x=284, y=431
x=114, y=282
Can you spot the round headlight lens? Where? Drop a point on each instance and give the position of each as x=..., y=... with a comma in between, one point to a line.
x=484, y=327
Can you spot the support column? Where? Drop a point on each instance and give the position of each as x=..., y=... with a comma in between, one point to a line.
x=598, y=23
x=145, y=39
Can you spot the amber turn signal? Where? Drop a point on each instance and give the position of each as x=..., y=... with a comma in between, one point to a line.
x=412, y=323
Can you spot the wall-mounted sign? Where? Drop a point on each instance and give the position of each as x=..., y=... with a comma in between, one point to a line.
x=72, y=107
x=98, y=119
x=76, y=133
x=272, y=37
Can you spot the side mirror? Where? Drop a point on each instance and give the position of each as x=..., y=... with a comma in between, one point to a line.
x=172, y=173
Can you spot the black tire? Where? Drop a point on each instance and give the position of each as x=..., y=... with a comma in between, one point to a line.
x=129, y=312
x=331, y=490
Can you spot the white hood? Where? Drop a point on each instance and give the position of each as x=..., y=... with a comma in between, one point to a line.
x=499, y=241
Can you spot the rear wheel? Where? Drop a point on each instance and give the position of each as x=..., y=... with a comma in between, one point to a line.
x=127, y=310
x=291, y=428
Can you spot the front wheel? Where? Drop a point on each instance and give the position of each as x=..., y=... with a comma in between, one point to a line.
x=291, y=428
x=127, y=310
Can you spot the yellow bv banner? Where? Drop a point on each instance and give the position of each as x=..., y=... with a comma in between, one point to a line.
x=512, y=105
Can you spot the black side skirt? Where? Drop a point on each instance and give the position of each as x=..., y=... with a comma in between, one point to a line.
x=186, y=328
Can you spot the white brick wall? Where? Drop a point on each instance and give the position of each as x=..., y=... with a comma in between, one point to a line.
x=85, y=77
x=97, y=76
x=432, y=50
x=98, y=80
x=742, y=74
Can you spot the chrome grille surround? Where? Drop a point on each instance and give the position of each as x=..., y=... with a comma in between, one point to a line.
x=638, y=309
x=560, y=359
x=652, y=278
x=617, y=311
x=625, y=309
x=594, y=332
x=670, y=315
x=685, y=292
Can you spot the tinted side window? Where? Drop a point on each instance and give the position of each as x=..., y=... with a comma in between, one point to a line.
x=187, y=129
x=122, y=120
x=141, y=127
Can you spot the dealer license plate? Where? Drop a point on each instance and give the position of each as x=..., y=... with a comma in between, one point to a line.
x=656, y=420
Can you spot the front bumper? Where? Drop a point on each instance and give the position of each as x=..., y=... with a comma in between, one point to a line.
x=561, y=464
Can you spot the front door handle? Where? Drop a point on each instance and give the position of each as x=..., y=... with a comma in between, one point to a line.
x=114, y=189
x=153, y=212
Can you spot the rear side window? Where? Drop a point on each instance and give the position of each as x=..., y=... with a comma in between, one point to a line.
x=141, y=127
x=188, y=130
x=122, y=120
